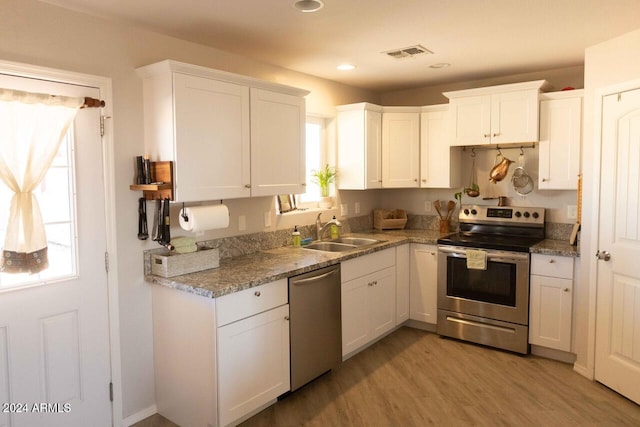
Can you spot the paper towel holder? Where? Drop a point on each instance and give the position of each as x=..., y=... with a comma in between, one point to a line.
x=184, y=214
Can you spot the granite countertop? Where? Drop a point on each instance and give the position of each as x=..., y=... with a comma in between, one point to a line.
x=555, y=247
x=247, y=271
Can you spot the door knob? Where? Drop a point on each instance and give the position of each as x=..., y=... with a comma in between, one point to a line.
x=604, y=255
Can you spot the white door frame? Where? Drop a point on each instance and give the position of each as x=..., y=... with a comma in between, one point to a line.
x=104, y=85
x=592, y=240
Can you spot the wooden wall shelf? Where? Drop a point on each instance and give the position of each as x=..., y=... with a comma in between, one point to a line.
x=160, y=172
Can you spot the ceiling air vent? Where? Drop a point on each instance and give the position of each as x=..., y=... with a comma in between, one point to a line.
x=407, y=52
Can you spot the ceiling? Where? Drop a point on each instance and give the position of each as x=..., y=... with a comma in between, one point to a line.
x=479, y=38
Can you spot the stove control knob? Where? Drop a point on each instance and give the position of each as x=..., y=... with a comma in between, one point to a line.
x=518, y=214
x=527, y=215
x=473, y=211
x=535, y=215
x=466, y=211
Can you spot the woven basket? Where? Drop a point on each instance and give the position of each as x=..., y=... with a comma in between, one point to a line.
x=389, y=219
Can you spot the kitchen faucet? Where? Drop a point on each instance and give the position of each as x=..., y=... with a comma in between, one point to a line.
x=321, y=228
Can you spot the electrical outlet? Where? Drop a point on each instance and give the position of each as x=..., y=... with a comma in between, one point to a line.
x=267, y=219
x=344, y=209
x=242, y=223
x=572, y=212
x=427, y=206
x=356, y=209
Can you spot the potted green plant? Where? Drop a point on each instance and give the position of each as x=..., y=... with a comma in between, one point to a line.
x=323, y=178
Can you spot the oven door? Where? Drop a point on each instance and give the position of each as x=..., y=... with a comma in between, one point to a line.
x=501, y=292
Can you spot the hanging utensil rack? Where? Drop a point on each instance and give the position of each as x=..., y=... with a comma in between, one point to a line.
x=162, y=185
x=499, y=147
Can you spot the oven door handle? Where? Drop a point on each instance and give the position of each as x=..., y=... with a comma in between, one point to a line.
x=493, y=256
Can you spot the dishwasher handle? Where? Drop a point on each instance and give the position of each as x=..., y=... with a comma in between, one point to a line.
x=315, y=278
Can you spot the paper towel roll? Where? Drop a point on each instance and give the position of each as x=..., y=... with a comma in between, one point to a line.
x=203, y=218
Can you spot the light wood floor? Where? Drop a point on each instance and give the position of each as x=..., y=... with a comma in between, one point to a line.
x=416, y=378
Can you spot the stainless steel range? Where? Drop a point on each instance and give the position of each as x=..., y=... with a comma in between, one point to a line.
x=483, y=276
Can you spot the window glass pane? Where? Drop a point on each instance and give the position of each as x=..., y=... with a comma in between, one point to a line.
x=314, y=160
x=53, y=195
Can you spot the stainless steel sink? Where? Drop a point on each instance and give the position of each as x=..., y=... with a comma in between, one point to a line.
x=356, y=241
x=341, y=244
x=330, y=246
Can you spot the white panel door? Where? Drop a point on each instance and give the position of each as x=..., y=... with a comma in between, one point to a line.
x=424, y=292
x=278, y=163
x=54, y=337
x=212, y=158
x=514, y=117
x=617, y=361
x=560, y=137
x=400, y=150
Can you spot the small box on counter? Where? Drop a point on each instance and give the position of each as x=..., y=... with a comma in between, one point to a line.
x=389, y=219
x=176, y=264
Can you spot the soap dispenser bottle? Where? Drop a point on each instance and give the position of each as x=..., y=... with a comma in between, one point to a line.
x=335, y=232
x=295, y=236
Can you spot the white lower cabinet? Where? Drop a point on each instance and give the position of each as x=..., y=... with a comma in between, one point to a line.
x=253, y=351
x=402, y=283
x=253, y=363
x=218, y=361
x=423, y=283
x=550, y=306
x=368, y=299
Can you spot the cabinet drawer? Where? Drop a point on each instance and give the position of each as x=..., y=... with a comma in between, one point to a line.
x=552, y=265
x=239, y=305
x=366, y=264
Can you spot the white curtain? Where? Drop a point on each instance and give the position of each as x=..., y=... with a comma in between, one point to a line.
x=32, y=126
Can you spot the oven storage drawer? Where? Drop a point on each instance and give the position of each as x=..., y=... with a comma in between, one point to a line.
x=552, y=266
x=504, y=335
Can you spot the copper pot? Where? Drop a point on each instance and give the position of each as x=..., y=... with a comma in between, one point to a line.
x=499, y=171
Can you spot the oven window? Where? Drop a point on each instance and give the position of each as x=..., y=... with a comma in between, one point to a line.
x=496, y=284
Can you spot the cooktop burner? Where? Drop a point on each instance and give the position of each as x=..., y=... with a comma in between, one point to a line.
x=502, y=228
x=491, y=241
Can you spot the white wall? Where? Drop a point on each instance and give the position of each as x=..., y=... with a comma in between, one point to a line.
x=558, y=78
x=36, y=33
x=606, y=64
x=413, y=200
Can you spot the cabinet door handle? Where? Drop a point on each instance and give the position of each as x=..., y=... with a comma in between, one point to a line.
x=551, y=261
x=304, y=184
x=415, y=179
x=565, y=290
x=544, y=179
x=247, y=186
x=487, y=135
x=257, y=293
x=286, y=318
x=496, y=134
x=424, y=180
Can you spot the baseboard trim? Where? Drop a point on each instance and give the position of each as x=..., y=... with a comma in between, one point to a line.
x=550, y=353
x=583, y=370
x=139, y=416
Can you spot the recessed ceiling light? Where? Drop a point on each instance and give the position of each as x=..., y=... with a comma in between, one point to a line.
x=308, y=5
x=346, y=67
x=440, y=65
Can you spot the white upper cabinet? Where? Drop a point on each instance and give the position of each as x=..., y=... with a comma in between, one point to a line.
x=400, y=147
x=560, y=140
x=494, y=115
x=278, y=164
x=439, y=162
x=359, y=146
x=229, y=136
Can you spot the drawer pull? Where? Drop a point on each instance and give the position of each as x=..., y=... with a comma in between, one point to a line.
x=257, y=293
x=551, y=261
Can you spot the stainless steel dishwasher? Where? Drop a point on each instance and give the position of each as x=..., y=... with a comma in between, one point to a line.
x=315, y=324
